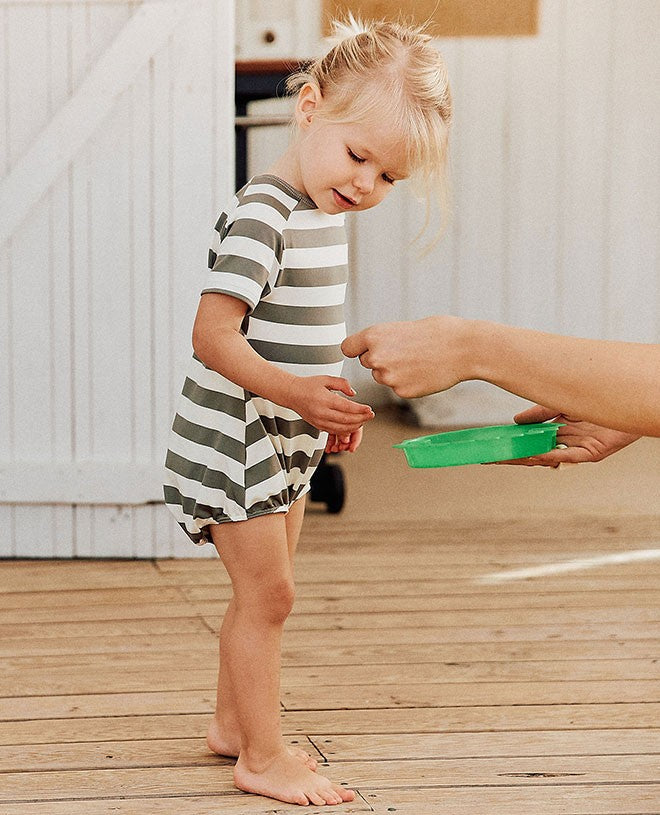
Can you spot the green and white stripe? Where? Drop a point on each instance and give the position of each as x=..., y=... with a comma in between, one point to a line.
x=232, y=454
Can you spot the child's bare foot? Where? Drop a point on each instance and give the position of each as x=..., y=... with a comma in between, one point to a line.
x=230, y=746
x=287, y=779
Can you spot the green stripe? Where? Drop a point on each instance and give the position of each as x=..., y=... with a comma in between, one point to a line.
x=314, y=238
x=256, y=231
x=214, y=439
x=262, y=471
x=214, y=400
x=299, y=354
x=319, y=276
x=282, y=499
x=204, y=475
x=246, y=196
x=276, y=426
x=299, y=315
x=241, y=267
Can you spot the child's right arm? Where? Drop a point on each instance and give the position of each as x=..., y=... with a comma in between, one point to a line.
x=218, y=342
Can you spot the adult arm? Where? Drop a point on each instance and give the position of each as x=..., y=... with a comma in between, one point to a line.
x=611, y=384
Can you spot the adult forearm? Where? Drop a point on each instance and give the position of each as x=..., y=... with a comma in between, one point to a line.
x=613, y=384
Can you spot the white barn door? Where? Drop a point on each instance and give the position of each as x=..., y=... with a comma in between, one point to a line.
x=119, y=117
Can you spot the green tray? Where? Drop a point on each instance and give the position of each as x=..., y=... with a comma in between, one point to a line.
x=480, y=445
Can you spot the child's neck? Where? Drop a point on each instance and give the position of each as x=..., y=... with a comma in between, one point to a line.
x=288, y=169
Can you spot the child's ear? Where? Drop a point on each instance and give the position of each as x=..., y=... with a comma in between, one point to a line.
x=308, y=102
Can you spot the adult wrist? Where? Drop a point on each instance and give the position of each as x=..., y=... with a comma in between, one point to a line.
x=480, y=347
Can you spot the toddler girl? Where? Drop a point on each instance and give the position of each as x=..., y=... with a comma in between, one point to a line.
x=263, y=397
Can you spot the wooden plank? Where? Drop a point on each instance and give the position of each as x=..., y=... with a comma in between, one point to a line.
x=111, y=755
x=181, y=676
x=90, y=651
x=151, y=782
x=169, y=643
x=566, y=586
x=482, y=745
x=183, y=673
x=372, y=634
x=66, y=598
x=72, y=614
x=373, y=602
x=475, y=672
x=231, y=803
x=459, y=617
x=537, y=772
x=475, y=718
x=325, y=723
x=113, y=628
x=319, y=697
x=590, y=799
x=106, y=704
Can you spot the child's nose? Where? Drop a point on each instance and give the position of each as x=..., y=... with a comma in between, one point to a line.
x=364, y=180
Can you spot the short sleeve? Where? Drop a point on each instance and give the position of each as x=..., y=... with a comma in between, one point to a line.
x=246, y=252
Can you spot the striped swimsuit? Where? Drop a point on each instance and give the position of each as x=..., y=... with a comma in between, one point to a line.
x=233, y=455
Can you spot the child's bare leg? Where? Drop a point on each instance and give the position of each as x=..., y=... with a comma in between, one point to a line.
x=256, y=556
x=224, y=736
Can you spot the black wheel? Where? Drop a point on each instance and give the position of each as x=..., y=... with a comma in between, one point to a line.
x=335, y=491
x=327, y=486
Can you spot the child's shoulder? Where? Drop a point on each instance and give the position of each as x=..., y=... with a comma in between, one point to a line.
x=271, y=192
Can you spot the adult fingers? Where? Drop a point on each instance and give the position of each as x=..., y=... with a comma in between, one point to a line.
x=537, y=413
x=355, y=345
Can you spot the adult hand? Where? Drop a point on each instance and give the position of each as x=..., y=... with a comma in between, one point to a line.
x=413, y=358
x=317, y=399
x=584, y=441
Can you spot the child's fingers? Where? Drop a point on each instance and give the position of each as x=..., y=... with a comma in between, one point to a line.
x=338, y=383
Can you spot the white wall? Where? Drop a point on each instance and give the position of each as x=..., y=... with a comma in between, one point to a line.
x=118, y=174
x=100, y=276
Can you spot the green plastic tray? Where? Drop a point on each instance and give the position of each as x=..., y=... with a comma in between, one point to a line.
x=480, y=445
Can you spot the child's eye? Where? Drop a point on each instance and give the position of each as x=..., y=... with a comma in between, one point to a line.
x=388, y=178
x=354, y=157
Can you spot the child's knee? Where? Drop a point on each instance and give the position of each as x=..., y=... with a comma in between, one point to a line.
x=271, y=601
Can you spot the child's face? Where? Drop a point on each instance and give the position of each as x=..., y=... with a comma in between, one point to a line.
x=349, y=167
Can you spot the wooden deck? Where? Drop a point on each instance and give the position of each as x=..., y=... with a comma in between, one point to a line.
x=424, y=687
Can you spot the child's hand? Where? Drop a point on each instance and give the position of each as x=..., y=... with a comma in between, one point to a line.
x=315, y=398
x=343, y=444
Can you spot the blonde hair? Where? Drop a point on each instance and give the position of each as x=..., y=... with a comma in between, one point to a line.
x=388, y=64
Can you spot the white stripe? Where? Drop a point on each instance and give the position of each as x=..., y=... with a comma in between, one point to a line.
x=258, y=211
x=211, y=419
x=313, y=257
x=571, y=566
x=260, y=450
x=243, y=247
x=262, y=407
x=214, y=381
x=265, y=489
x=290, y=334
x=308, y=295
x=233, y=284
x=196, y=453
